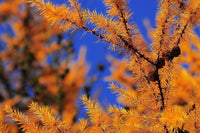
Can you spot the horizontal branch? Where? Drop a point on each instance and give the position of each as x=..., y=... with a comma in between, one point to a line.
x=130, y=47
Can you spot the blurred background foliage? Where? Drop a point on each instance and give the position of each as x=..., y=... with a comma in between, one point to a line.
x=37, y=62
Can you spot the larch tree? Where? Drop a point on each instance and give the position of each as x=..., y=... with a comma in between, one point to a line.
x=159, y=95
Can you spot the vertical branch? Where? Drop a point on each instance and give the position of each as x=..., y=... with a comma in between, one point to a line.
x=124, y=21
x=158, y=61
x=161, y=91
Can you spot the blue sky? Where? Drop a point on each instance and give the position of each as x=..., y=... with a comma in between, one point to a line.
x=96, y=52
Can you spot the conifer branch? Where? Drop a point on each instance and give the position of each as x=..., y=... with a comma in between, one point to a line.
x=75, y=4
x=186, y=25
x=130, y=47
x=148, y=81
x=161, y=36
x=52, y=11
x=190, y=110
x=182, y=32
x=124, y=21
x=158, y=61
x=155, y=99
x=161, y=91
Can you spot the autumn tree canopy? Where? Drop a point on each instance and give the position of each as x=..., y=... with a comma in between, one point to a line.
x=157, y=92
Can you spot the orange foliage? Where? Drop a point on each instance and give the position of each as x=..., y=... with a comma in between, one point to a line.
x=158, y=94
